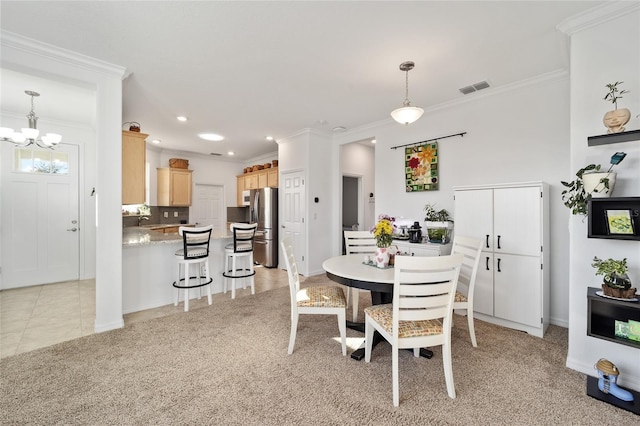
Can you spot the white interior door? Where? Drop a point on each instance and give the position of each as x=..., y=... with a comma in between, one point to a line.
x=208, y=207
x=40, y=228
x=292, y=193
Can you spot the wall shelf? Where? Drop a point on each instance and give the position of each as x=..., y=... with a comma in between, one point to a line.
x=631, y=135
x=602, y=314
x=598, y=226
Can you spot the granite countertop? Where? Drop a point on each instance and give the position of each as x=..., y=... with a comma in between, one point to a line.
x=143, y=235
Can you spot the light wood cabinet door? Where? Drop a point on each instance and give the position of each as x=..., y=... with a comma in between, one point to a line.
x=262, y=180
x=272, y=178
x=251, y=182
x=240, y=188
x=133, y=167
x=174, y=187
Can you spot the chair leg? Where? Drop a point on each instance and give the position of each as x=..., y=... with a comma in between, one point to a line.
x=394, y=373
x=292, y=336
x=448, y=370
x=233, y=280
x=472, y=331
x=187, y=283
x=177, y=289
x=208, y=277
x=368, y=338
x=226, y=271
x=342, y=326
x=253, y=283
x=354, y=304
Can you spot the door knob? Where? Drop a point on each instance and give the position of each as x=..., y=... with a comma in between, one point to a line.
x=72, y=229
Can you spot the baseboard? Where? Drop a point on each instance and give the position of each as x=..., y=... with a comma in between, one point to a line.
x=99, y=328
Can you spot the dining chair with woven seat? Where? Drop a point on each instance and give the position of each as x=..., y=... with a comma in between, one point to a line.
x=362, y=243
x=323, y=300
x=420, y=314
x=471, y=249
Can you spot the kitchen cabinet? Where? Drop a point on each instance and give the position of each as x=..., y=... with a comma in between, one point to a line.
x=512, y=284
x=266, y=178
x=423, y=249
x=133, y=167
x=174, y=187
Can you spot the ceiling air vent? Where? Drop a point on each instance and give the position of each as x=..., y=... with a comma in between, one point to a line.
x=474, y=87
x=215, y=153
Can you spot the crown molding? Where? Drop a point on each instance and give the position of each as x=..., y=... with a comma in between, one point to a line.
x=596, y=16
x=9, y=40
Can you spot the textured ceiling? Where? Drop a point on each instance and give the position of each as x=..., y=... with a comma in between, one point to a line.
x=246, y=70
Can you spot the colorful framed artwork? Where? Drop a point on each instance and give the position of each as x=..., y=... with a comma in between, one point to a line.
x=619, y=222
x=421, y=167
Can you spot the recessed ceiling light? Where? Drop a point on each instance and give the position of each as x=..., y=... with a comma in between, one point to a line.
x=211, y=137
x=156, y=141
x=269, y=138
x=231, y=153
x=373, y=141
x=181, y=118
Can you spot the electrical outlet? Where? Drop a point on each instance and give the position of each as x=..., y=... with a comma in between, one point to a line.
x=166, y=214
x=175, y=214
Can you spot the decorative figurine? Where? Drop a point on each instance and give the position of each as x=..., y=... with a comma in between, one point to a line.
x=608, y=376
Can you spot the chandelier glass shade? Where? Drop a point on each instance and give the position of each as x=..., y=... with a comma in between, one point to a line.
x=29, y=135
x=407, y=114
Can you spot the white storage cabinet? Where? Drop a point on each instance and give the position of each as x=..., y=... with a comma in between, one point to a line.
x=512, y=285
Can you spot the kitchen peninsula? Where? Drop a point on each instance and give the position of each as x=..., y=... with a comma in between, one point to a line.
x=149, y=267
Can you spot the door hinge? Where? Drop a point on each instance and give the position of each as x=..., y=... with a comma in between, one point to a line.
x=541, y=321
x=303, y=220
x=303, y=257
x=541, y=266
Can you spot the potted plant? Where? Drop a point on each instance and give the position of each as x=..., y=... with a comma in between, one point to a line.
x=590, y=182
x=616, y=282
x=438, y=223
x=615, y=120
x=383, y=232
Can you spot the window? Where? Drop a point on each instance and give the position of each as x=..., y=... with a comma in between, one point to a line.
x=28, y=160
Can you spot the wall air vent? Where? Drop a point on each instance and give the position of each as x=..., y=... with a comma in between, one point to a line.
x=474, y=87
x=215, y=153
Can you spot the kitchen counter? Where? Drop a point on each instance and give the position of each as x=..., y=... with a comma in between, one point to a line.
x=149, y=267
x=145, y=235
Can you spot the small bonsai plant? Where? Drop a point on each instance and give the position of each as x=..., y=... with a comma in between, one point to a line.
x=616, y=282
x=576, y=197
x=615, y=119
x=438, y=224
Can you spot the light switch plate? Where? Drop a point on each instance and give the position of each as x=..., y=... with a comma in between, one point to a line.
x=175, y=214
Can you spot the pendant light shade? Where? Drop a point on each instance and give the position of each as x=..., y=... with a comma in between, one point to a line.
x=407, y=114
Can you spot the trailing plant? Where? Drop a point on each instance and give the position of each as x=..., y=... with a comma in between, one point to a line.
x=575, y=196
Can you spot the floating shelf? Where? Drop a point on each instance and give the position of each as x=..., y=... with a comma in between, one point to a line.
x=631, y=135
x=598, y=226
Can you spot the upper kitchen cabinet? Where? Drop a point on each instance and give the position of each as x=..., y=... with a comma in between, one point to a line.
x=266, y=178
x=133, y=165
x=174, y=187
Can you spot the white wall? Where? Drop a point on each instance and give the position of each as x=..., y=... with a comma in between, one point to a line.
x=515, y=134
x=206, y=170
x=601, y=54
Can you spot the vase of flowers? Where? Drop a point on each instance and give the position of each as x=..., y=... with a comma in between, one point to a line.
x=383, y=232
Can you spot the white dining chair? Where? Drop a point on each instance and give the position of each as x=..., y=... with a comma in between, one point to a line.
x=421, y=312
x=471, y=249
x=362, y=243
x=322, y=300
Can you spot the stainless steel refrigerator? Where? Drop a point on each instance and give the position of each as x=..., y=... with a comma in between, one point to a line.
x=263, y=208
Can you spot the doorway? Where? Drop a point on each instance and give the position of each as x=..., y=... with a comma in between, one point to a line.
x=208, y=207
x=40, y=215
x=352, y=216
x=293, y=215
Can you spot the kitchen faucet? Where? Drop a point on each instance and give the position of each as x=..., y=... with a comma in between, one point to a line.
x=141, y=218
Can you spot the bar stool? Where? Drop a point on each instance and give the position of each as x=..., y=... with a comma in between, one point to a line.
x=194, y=251
x=238, y=257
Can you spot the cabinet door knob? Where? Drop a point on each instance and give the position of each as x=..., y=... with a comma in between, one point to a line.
x=499, y=241
x=499, y=265
x=487, y=243
x=487, y=263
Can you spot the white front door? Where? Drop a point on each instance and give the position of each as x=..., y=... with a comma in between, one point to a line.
x=40, y=237
x=208, y=207
x=293, y=215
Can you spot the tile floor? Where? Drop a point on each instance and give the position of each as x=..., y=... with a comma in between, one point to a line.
x=43, y=315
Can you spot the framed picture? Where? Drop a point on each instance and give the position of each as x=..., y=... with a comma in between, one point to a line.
x=421, y=167
x=619, y=222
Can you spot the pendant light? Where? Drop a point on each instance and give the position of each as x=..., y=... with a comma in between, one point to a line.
x=407, y=114
x=29, y=135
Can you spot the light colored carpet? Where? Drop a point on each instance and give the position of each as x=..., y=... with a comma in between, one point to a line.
x=228, y=364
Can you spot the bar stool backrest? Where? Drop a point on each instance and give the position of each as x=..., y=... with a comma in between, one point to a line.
x=243, y=235
x=195, y=241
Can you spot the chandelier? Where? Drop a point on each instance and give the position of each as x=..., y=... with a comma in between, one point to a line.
x=407, y=114
x=29, y=135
